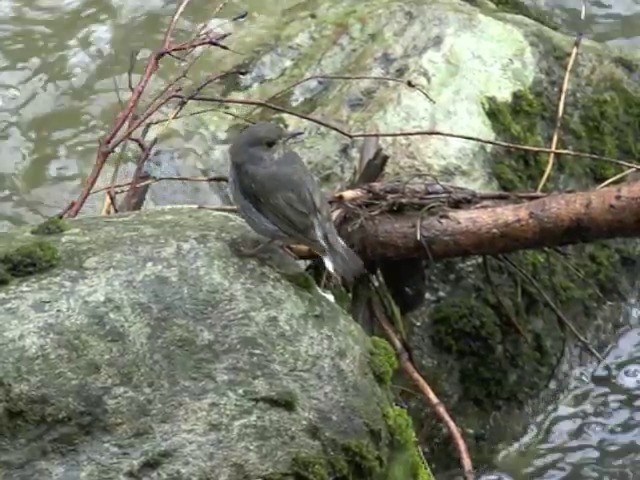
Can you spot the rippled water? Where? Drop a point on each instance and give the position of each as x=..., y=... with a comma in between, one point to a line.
x=58, y=61
x=613, y=21
x=594, y=431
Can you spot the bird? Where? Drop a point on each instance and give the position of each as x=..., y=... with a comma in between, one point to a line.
x=280, y=199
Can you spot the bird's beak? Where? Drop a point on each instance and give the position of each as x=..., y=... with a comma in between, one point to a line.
x=292, y=134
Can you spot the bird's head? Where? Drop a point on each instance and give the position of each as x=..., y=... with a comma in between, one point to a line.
x=264, y=136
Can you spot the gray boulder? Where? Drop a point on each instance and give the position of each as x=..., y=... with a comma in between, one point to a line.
x=143, y=346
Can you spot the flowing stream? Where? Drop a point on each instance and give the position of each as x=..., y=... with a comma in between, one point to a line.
x=58, y=61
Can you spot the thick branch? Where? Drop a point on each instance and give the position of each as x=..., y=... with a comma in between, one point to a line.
x=554, y=220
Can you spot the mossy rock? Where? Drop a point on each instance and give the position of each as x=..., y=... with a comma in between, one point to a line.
x=27, y=259
x=491, y=343
x=362, y=460
x=51, y=226
x=164, y=343
x=286, y=400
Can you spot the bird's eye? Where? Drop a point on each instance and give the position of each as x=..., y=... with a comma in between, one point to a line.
x=270, y=143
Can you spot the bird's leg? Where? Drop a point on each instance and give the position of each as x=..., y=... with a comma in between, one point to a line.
x=251, y=252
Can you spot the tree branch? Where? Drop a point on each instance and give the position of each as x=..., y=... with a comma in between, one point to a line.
x=554, y=220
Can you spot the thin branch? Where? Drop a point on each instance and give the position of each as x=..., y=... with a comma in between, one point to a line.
x=172, y=25
x=617, y=177
x=132, y=183
x=432, y=399
x=560, y=111
x=128, y=117
x=553, y=307
x=408, y=133
x=494, y=288
x=407, y=83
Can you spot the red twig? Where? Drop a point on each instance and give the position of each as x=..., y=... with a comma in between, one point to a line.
x=433, y=400
x=127, y=116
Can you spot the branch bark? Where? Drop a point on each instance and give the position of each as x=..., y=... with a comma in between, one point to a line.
x=554, y=220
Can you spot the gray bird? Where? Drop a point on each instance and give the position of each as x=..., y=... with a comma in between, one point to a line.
x=280, y=199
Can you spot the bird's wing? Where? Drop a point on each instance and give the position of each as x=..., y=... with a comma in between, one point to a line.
x=285, y=193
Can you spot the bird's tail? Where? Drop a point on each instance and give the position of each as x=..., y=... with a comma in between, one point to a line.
x=340, y=259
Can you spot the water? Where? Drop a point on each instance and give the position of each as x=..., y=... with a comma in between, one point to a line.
x=612, y=21
x=58, y=62
x=593, y=432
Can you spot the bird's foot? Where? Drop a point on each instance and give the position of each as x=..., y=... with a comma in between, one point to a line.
x=253, y=251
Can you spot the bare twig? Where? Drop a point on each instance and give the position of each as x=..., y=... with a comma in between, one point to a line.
x=561, y=317
x=617, y=177
x=132, y=183
x=408, y=83
x=128, y=116
x=561, y=103
x=424, y=388
x=407, y=133
x=500, y=300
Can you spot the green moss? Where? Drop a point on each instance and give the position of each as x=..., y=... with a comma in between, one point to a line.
x=475, y=323
x=352, y=460
x=407, y=462
x=472, y=331
x=307, y=467
x=51, y=226
x=383, y=360
x=605, y=123
x=602, y=116
x=301, y=280
x=362, y=460
x=608, y=125
x=286, y=400
x=341, y=296
x=30, y=259
x=518, y=122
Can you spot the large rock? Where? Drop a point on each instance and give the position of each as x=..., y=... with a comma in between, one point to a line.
x=495, y=75
x=142, y=346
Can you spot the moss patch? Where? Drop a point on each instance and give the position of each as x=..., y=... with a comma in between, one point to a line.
x=309, y=468
x=406, y=461
x=26, y=260
x=352, y=460
x=383, y=360
x=301, y=280
x=606, y=123
x=475, y=323
x=341, y=296
x=51, y=226
x=399, y=459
